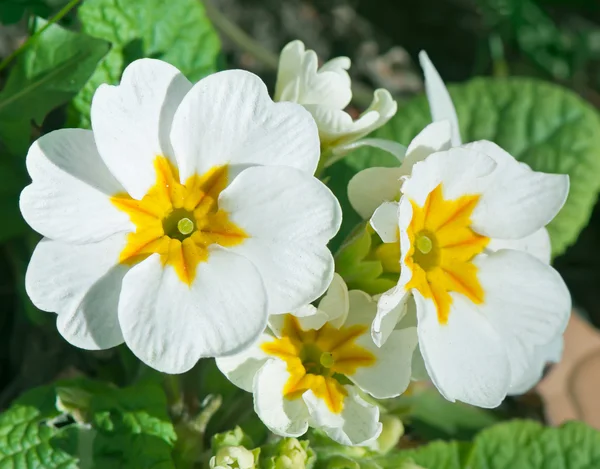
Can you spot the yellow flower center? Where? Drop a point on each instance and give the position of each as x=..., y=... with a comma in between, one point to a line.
x=178, y=221
x=318, y=360
x=442, y=248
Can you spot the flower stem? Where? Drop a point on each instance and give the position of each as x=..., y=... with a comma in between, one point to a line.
x=66, y=9
x=238, y=36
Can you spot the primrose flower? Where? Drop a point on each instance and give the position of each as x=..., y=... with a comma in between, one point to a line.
x=325, y=92
x=483, y=304
x=183, y=219
x=311, y=373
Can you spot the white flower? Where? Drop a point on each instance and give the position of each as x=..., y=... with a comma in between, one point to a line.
x=186, y=216
x=326, y=92
x=310, y=373
x=484, y=305
x=375, y=186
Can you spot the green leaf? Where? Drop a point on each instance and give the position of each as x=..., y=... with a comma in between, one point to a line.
x=436, y=455
x=544, y=125
x=176, y=31
x=11, y=11
x=113, y=428
x=27, y=437
x=132, y=425
x=432, y=417
x=52, y=69
x=337, y=177
x=528, y=445
x=516, y=444
x=12, y=181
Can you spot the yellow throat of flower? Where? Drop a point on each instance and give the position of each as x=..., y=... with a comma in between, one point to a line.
x=442, y=248
x=318, y=360
x=178, y=221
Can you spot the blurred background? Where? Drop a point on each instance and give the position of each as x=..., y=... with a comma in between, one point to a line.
x=552, y=40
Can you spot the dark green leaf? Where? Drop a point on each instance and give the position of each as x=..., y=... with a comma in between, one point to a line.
x=47, y=74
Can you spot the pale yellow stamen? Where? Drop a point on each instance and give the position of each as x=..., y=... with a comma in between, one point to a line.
x=185, y=226
x=424, y=244
x=327, y=359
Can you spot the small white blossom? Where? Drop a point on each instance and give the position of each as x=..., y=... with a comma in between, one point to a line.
x=186, y=216
x=325, y=92
x=306, y=372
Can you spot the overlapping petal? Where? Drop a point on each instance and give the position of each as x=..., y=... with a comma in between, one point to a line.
x=357, y=424
x=162, y=317
x=82, y=283
x=289, y=221
x=69, y=198
x=229, y=118
x=132, y=121
x=465, y=358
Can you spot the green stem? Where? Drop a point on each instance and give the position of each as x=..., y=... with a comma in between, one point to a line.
x=238, y=36
x=66, y=9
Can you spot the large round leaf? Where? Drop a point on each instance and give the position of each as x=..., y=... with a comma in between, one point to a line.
x=547, y=126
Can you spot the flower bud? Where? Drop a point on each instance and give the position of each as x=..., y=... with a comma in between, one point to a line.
x=234, y=457
x=289, y=453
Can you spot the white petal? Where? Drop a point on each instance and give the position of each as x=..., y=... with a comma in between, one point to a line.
x=335, y=303
x=170, y=325
x=289, y=216
x=69, y=198
x=385, y=222
x=536, y=244
x=465, y=358
x=355, y=425
x=394, y=148
x=524, y=297
x=337, y=127
x=289, y=72
x=229, y=118
x=241, y=368
x=329, y=87
x=391, y=307
x=433, y=138
x=389, y=376
x=371, y=187
x=460, y=171
x=81, y=283
x=553, y=351
x=439, y=99
x=333, y=308
x=132, y=121
x=541, y=356
x=394, y=304
x=417, y=367
x=285, y=417
x=516, y=201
